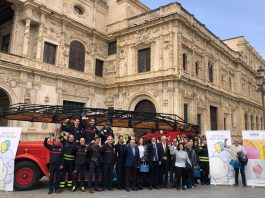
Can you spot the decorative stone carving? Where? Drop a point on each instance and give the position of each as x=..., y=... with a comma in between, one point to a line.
x=13, y=83
x=156, y=93
x=48, y=81
x=76, y=89
x=46, y=99
x=111, y=67
x=165, y=103
x=27, y=96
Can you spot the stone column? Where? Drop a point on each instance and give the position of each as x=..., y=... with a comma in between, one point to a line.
x=14, y=30
x=26, y=38
x=64, y=52
x=40, y=37
x=237, y=83
x=160, y=55
x=94, y=14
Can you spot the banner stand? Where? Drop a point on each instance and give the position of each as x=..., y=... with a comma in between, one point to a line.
x=9, y=139
x=254, y=144
x=222, y=173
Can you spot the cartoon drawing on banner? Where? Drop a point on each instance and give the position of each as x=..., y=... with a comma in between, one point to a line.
x=6, y=164
x=256, y=153
x=220, y=159
x=257, y=169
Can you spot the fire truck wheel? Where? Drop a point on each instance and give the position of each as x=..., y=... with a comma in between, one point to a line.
x=27, y=175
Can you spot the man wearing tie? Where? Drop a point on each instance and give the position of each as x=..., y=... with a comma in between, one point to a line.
x=164, y=153
x=155, y=161
x=132, y=162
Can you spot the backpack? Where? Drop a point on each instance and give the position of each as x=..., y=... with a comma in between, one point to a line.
x=242, y=157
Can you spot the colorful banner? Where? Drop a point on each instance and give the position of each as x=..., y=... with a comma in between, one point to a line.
x=9, y=138
x=254, y=144
x=221, y=172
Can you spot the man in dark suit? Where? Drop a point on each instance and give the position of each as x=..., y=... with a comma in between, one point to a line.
x=119, y=151
x=164, y=152
x=155, y=161
x=132, y=162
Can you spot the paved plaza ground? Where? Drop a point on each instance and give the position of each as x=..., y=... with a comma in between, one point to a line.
x=197, y=192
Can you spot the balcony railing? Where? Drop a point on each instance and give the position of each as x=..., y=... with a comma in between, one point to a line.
x=16, y=61
x=145, y=17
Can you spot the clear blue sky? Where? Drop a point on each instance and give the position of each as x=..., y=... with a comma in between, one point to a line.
x=227, y=18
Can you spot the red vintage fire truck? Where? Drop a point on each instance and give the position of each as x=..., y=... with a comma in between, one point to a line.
x=32, y=158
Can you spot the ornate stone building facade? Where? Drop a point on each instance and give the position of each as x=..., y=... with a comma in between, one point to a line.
x=120, y=54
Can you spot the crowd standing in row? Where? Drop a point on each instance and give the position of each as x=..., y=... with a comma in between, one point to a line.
x=136, y=164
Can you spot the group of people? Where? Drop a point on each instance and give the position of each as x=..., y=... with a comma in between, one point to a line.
x=157, y=164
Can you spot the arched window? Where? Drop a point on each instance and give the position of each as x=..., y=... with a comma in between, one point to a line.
x=246, y=122
x=4, y=103
x=145, y=106
x=210, y=72
x=197, y=68
x=77, y=56
x=185, y=61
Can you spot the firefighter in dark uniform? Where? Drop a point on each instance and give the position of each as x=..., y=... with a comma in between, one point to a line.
x=80, y=164
x=119, y=154
x=108, y=160
x=94, y=164
x=204, y=163
x=69, y=161
x=90, y=131
x=75, y=129
x=56, y=164
x=105, y=132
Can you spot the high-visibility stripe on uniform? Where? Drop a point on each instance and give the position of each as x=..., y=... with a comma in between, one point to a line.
x=62, y=184
x=69, y=157
x=203, y=159
x=69, y=183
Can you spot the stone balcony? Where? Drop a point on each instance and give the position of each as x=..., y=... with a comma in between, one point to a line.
x=144, y=18
x=16, y=62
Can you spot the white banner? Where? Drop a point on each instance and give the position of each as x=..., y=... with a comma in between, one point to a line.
x=254, y=144
x=9, y=139
x=221, y=172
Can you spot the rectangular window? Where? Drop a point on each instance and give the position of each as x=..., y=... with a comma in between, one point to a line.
x=199, y=120
x=112, y=48
x=213, y=117
x=71, y=104
x=224, y=123
x=144, y=62
x=99, y=68
x=49, y=54
x=186, y=112
x=5, y=43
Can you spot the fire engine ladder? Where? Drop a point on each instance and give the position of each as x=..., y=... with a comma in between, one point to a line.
x=117, y=118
